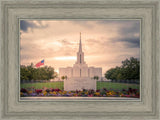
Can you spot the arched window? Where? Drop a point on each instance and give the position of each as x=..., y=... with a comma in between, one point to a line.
x=80, y=58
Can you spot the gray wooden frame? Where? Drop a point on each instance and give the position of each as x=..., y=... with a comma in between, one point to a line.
x=145, y=10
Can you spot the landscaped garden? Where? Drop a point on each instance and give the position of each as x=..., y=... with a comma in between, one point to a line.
x=55, y=89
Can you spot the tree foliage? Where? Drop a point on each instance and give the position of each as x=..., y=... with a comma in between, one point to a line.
x=64, y=77
x=96, y=77
x=42, y=73
x=129, y=70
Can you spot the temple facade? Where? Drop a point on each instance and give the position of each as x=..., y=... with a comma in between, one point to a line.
x=80, y=76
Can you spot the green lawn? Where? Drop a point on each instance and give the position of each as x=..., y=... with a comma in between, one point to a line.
x=117, y=86
x=108, y=85
x=41, y=85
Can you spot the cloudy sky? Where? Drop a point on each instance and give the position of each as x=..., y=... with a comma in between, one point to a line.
x=105, y=43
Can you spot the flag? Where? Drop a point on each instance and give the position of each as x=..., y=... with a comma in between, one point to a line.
x=40, y=63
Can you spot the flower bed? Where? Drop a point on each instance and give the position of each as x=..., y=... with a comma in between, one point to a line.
x=84, y=93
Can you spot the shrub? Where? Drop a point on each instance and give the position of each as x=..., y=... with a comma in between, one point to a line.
x=24, y=90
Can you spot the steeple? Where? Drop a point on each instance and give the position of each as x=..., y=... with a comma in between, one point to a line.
x=80, y=54
x=80, y=44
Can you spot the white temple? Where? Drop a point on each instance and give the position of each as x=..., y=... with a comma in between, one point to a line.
x=80, y=76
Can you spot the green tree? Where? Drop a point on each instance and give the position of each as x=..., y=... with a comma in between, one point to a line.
x=109, y=73
x=113, y=73
x=42, y=73
x=130, y=69
x=64, y=77
x=96, y=77
x=23, y=72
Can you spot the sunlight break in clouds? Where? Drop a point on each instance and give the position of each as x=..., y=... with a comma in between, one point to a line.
x=66, y=58
x=105, y=43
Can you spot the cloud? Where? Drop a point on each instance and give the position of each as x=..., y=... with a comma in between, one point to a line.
x=129, y=42
x=128, y=32
x=86, y=24
x=130, y=28
x=66, y=42
x=124, y=27
x=25, y=25
x=132, y=42
x=105, y=43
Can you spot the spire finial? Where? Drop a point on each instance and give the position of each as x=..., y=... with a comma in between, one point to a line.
x=80, y=44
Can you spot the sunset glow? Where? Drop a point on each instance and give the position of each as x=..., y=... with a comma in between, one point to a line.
x=65, y=58
x=105, y=43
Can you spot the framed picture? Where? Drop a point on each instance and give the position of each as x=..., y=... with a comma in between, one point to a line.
x=100, y=59
x=116, y=74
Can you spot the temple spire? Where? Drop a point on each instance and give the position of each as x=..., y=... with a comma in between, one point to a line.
x=80, y=44
x=80, y=54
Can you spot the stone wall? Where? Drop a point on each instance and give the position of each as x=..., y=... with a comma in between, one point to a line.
x=76, y=83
